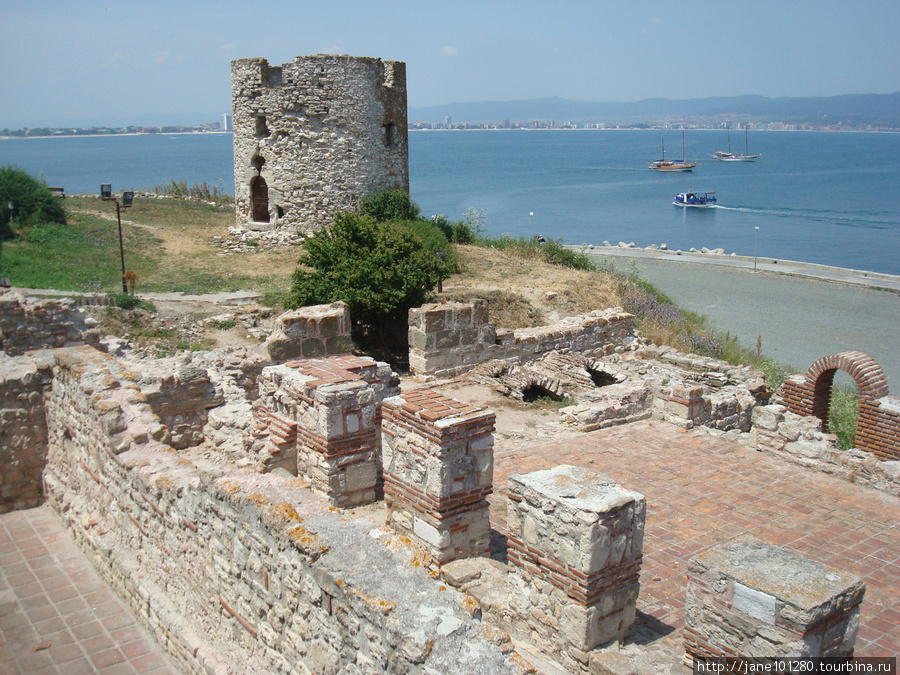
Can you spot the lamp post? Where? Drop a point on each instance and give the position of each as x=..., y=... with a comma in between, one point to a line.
x=441, y=256
x=127, y=200
x=756, y=249
x=531, y=213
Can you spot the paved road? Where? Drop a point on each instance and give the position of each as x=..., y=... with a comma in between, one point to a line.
x=803, y=312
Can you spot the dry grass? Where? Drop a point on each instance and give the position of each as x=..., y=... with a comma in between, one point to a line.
x=525, y=291
x=184, y=258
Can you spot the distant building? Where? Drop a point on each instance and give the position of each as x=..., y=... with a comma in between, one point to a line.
x=314, y=136
x=226, y=122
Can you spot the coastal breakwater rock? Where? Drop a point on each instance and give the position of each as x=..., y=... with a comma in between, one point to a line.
x=659, y=247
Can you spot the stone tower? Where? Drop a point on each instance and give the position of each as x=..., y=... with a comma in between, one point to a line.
x=314, y=136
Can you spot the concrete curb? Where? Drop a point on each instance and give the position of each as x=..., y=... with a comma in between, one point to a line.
x=748, y=263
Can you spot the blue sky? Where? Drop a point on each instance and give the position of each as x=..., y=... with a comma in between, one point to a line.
x=86, y=62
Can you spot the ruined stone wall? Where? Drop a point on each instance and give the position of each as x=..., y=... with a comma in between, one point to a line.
x=322, y=132
x=322, y=418
x=749, y=599
x=451, y=338
x=233, y=570
x=26, y=325
x=182, y=401
x=800, y=439
x=23, y=430
x=309, y=332
x=575, y=552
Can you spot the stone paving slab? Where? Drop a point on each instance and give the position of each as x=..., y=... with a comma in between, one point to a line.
x=702, y=490
x=56, y=613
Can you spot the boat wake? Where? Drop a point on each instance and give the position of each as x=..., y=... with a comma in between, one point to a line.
x=856, y=219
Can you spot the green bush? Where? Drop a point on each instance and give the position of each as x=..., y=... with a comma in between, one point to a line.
x=551, y=251
x=556, y=254
x=389, y=205
x=127, y=301
x=434, y=240
x=379, y=269
x=32, y=201
x=462, y=233
x=458, y=233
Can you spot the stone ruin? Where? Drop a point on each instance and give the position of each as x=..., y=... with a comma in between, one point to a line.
x=228, y=496
x=312, y=137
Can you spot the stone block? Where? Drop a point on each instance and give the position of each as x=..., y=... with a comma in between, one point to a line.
x=312, y=331
x=747, y=598
x=580, y=532
x=325, y=412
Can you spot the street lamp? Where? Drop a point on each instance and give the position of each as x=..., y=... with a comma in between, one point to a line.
x=756, y=249
x=531, y=213
x=127, y=200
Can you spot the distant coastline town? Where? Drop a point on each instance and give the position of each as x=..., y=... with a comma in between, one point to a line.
x=868, y=113
x=449, y=125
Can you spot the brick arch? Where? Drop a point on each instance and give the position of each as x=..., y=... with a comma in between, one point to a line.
x=871, y=382
x=878, y=424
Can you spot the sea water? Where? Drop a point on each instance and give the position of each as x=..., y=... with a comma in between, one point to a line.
x=821, y=197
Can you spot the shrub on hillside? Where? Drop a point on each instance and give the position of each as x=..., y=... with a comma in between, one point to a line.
x=32, y=202
x=389, y=205
x=436, y=241
x=380, y=270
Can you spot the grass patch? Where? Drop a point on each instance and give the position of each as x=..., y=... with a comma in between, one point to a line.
x=150, y=333
x=843, y=410
x=126, y=301
x=167, y=244
x=225, y=324
x=81, y=256
x=505, y=309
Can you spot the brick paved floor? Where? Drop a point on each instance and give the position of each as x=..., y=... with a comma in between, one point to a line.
x=702, y=490
x=56, y=614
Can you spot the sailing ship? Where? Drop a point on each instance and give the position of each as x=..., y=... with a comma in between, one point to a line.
x=669, y=165
x=729, y=156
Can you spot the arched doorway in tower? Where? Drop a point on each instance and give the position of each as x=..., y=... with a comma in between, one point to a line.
x=259, y=196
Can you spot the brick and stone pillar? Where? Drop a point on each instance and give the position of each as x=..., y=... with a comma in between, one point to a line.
x=746, y=598
x=325, y=413
x=575, y=541
x=438, y=460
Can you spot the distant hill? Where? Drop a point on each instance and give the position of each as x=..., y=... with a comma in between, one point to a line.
x=856, y=109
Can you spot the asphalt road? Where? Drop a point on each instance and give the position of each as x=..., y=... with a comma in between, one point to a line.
x=801, y=316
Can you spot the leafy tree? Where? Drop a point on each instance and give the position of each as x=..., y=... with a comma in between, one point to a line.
x=379, y=269
x=389, y=205
x=32, y=202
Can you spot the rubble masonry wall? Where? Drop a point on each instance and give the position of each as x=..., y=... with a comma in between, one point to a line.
x=23, y=429
x=438, y=458
x=27, y=326
x=799, y=439
x=233, y=570
x=450, y=338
